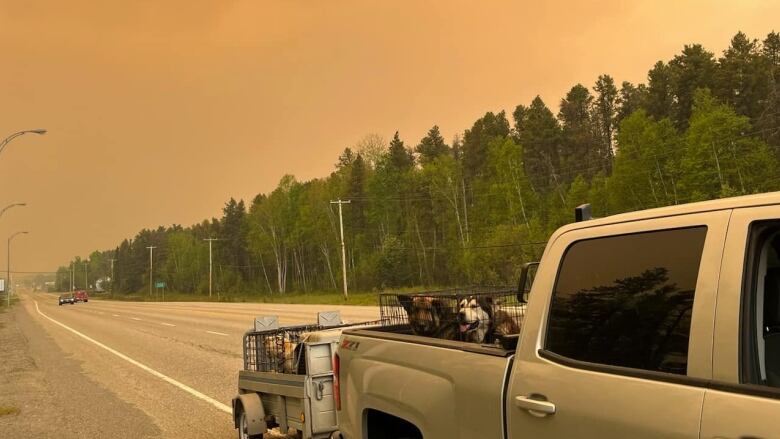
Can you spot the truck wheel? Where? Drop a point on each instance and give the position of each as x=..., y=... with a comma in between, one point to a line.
x=242, y=429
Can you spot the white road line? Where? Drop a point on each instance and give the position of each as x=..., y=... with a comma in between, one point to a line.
x=135, y=318
x=217, y=333
x=162, y=376
x=167, y=324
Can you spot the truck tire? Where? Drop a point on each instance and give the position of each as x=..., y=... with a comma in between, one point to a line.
x=242, y=433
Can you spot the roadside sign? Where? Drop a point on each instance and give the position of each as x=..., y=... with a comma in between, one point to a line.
x=159, y=284
x=2, y=285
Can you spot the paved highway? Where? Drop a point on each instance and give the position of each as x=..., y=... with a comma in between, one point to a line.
x=174, y=364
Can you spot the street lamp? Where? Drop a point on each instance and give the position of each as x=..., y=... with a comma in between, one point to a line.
x=8, y=139
x=8, y=267
x=10, y=206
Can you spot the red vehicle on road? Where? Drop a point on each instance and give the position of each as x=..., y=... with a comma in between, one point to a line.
x=81, y=296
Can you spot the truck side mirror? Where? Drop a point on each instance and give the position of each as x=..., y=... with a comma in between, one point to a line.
x=524, y=286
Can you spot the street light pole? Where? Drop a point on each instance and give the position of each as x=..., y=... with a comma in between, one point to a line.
x=151, y=268
x=8, y=267
x=8, y=139
x=210, y=240
x=343, y=249
x=10, y=206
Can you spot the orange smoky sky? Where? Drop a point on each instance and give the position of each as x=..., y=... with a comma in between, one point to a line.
x=159, y=111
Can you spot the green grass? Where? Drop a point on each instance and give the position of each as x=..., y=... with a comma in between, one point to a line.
x=314, y=298
x=7, y=411
x=3, y=303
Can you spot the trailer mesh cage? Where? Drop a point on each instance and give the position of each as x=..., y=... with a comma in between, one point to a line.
x=484, y=315
x=282, y=350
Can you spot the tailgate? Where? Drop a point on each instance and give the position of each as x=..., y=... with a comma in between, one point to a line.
x=446, y=389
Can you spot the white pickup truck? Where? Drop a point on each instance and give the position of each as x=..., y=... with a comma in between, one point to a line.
x=656, y=324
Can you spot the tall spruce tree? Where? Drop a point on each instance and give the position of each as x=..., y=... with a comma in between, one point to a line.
x=431, y=146
x=660, y=96
x=477, y=138
x=605, y=114
x=539, y=134
x=581, y=152
x=742, y=78
x=691, y=70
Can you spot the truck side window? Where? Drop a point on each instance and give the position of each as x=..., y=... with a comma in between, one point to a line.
x=626, y=300
x=761, y=307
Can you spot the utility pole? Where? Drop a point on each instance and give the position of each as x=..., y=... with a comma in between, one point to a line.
x=343, y=248
x=210, y=240
x=151, y=268
x=112, y=275
x=71, y=277
x=86, y=278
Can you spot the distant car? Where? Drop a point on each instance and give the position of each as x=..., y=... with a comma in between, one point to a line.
x=81, y=296
x=67, y=298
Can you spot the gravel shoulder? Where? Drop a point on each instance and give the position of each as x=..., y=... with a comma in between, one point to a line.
x=45, y=392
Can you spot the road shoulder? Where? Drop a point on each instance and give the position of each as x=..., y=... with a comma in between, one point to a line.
x=48, y=393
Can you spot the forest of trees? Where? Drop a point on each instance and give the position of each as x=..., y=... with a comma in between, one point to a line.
x=472, y=210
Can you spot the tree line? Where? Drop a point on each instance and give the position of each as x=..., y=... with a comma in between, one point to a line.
x=472, y=210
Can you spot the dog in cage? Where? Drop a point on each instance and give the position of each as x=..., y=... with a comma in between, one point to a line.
x=281, y=352
x=430, y=316
x=481, y=319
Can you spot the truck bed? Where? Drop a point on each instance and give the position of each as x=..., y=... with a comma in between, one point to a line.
x=403, y=333
x=394, y=372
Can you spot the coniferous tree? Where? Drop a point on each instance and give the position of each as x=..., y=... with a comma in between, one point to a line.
x=742, y=79
x=431, y=146
x=660, y=96
x=691, y=70
x=400, y=157
x=630, y=99
x=768, y=122
x=477, y=138
x=581, y=150
x=605, y=113
x=539, y=134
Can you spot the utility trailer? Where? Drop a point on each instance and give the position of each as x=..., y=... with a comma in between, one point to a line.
x=287, y=379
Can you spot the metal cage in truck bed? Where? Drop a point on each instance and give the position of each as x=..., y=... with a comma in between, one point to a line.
x=483, y=315
x=287, y=380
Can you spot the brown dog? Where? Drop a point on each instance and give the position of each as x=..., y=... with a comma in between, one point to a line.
x=430, y=316
x=280, y=352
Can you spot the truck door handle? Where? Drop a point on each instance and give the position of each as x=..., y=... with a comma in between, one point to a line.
x=535, y=405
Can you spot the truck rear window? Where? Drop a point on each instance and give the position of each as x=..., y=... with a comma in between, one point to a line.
x=626, y=300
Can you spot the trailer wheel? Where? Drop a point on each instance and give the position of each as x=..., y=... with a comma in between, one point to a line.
x=242, y=428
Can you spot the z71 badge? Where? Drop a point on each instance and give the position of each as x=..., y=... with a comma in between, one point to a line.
x=349, y=345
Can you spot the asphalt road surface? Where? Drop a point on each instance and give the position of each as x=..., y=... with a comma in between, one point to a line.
x=147, y=369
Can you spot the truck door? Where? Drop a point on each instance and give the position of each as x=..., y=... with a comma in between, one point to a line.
x=618, y=338
x=743, y=400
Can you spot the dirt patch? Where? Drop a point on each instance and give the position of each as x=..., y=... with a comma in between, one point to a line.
x=6, y=411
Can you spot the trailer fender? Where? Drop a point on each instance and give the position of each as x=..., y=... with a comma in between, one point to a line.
x=250, y=404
